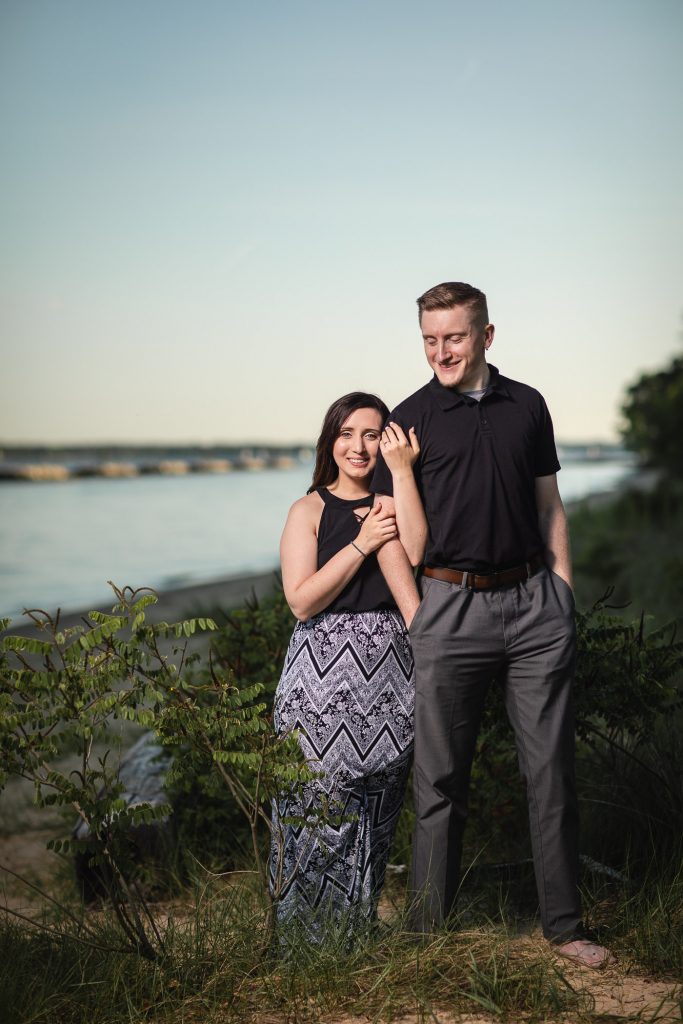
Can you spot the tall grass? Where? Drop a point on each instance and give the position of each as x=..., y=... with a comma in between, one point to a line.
x=646, y=925
x=217, y=970
x=632, y=801
x=219, y=966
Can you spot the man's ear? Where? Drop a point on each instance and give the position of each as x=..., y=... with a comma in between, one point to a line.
x=489, y=331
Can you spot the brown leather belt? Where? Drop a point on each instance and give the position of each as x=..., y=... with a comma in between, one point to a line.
x=477, y=581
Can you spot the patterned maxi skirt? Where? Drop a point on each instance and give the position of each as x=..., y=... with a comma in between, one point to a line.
x=347, y=687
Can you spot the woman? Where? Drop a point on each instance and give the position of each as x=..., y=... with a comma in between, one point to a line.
x=348, y=679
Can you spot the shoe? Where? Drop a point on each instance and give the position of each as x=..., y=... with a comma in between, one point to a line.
x=585, y=953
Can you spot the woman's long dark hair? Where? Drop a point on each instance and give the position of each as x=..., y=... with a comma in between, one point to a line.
x=326, y=470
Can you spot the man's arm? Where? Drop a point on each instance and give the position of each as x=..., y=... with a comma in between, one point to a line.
x=400, y=451
x=552, y=522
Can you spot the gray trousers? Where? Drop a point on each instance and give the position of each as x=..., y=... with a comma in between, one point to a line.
x=523, y=635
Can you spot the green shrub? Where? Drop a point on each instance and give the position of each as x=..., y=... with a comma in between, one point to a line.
x=633, y=545
x=653, y=415
x=61, y=693
x=249, y=644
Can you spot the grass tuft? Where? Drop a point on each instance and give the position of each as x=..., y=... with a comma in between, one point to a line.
x=217, y=970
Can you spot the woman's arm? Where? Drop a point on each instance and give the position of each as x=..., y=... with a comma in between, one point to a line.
x=400, y=453
x=308, y=589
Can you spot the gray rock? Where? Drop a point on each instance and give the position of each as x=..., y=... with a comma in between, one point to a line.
x=142, y=772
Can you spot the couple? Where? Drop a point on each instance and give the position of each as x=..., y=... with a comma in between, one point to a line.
x=459, y=479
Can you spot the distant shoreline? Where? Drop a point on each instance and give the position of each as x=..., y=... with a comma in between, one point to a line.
x=638, y=480
x=227, y=592
x=37, y=464
x=43, y=471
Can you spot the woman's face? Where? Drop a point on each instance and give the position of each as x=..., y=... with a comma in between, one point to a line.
x=356, y=447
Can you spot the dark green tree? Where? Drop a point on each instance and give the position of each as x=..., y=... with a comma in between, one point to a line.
x=653, y=413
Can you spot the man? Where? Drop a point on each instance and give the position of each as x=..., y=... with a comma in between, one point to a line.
x=496, y=602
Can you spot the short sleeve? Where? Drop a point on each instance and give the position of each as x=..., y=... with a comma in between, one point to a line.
x=545, y=456
x=382, y=482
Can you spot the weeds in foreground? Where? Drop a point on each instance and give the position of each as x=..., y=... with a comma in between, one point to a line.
x=648, y=923
x=213, y=973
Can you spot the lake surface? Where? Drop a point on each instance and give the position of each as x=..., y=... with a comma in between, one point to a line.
x=61, y=542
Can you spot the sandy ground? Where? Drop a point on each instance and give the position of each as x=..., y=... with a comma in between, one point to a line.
x=617, y=998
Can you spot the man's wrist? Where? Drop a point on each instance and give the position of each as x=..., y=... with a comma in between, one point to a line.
x=564, y=574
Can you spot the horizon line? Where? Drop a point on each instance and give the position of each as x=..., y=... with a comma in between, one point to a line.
x=248, y=443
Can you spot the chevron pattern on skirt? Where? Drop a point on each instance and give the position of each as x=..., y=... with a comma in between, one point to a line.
x=347, y=688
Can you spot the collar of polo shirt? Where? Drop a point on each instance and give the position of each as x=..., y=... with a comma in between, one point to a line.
x=449, y=398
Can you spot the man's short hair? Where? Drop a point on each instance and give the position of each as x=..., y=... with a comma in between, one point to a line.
x=451, y=294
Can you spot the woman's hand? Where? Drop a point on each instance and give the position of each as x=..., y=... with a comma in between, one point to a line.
x=399, y=451
x=310, y=590
x=378, y=527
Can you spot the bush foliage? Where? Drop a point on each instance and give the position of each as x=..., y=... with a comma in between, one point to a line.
x=653, y=414
x=63, y=691
x=633, y=544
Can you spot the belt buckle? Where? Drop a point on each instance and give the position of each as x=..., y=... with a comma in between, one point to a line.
x=496, y=572
x=485, y=575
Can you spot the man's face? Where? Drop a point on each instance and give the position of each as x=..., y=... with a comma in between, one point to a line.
x=455, y=345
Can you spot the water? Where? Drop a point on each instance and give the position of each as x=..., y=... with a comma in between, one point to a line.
x=61, y=542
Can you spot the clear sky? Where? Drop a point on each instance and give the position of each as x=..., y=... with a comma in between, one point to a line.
x=217, y=215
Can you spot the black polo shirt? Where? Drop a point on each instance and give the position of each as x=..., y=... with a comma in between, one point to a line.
x=476, y=471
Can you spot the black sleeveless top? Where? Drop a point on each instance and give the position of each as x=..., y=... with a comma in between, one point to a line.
x=367, y=590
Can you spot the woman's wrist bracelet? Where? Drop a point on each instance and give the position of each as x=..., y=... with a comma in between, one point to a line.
x=359, y=550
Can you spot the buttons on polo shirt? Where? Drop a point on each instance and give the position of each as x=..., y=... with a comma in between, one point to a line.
x=483, y=419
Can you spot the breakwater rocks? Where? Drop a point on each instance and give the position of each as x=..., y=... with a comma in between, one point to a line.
x=43, y=465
